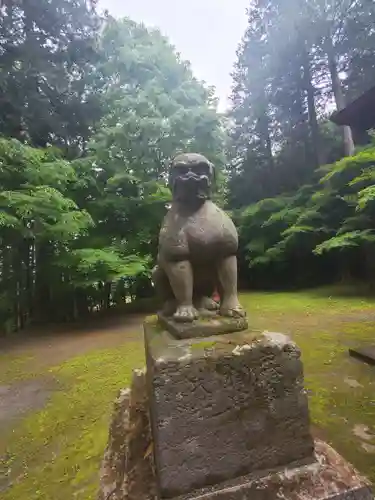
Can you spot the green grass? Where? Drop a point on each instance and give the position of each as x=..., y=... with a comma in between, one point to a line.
x=16, y=367
x=55, y=453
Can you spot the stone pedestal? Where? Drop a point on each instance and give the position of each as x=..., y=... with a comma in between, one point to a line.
x=223, y=407
x=220, y=418
x=128, y=471
x=206, y=326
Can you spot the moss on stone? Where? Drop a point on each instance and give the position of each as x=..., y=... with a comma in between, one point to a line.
x=152, y=319
x=203, y=345
x=204, y=319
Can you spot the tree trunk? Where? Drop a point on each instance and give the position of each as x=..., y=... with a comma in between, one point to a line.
x=339, y=96
x=313, y=121
x=264, y=129
x=29, y=278
x=42, y=298
x=108, y=295
x=369, y=259
x=17, y=287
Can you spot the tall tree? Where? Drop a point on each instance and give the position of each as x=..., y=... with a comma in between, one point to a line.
x=297, y=56
x=47, y=71
x=273, y=106
x=250, y=119
x=157, y=108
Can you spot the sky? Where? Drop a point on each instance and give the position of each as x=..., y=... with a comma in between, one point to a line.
x=205, y=32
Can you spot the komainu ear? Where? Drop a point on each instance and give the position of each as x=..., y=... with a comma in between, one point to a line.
x=213, y=174
x=168, y=169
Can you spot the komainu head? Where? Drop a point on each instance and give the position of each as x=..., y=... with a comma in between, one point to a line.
x=191, y=178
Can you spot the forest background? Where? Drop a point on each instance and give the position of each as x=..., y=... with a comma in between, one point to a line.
x=92, y=108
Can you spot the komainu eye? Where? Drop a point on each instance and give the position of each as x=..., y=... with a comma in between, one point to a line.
x=202, y=169
x=181, y=169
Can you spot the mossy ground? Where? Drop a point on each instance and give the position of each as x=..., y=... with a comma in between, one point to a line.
x=54, y=453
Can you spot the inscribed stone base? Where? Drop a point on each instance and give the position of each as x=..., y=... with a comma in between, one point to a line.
x=212, y=324
x=128, y=473
x=365, y=353
x=224, y=406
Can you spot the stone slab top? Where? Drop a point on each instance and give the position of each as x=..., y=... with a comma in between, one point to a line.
x=163, y=346
x=204, y=326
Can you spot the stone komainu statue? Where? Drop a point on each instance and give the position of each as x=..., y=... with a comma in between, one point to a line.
x=198, y=243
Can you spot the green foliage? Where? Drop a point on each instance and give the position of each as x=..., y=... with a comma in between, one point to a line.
x=264, y=221
x=335, y=214
x=43, y=212
x=157, y=107
x=348, y=239
x=50, y=81
x=90, y=266
x=366, y=198
x=79, y=217
x=36, y=210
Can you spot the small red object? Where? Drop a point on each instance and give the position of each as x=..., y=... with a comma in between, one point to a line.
x=216, y=296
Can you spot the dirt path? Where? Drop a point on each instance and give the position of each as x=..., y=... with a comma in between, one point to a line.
x=52, y=348
x=58, y=344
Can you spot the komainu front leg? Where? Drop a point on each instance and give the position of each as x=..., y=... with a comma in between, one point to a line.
x=180, y=275
x=164, y=291
x=230, y=305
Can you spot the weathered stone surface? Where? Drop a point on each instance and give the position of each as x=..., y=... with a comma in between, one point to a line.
x=328, y=477
x=203, y=327
x=224, y=406
x=127, y=463
x=113, y=467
